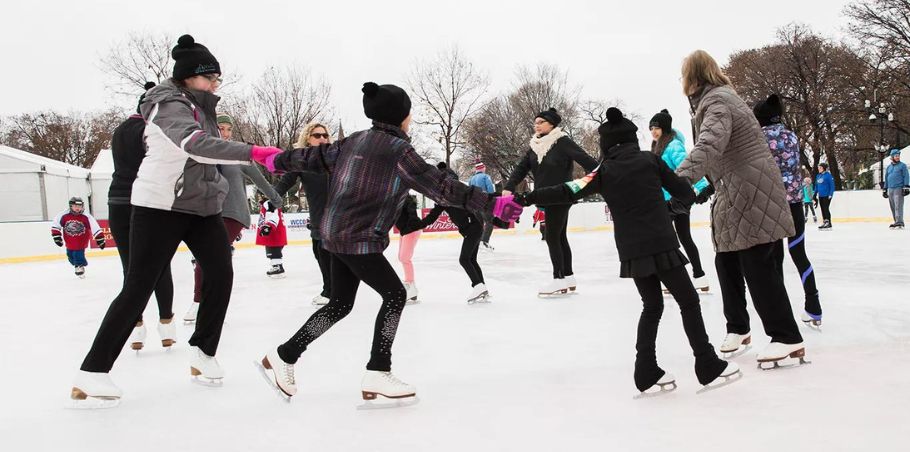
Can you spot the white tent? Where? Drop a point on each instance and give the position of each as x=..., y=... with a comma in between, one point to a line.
x=35, y=188
x=101, y=173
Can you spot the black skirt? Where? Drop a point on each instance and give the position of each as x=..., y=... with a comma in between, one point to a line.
x=649, y=265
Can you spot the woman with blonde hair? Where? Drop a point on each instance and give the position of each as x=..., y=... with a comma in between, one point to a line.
x=315, y=187
x=750, y=215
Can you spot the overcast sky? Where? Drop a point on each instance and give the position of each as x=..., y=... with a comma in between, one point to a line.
x=627, y=50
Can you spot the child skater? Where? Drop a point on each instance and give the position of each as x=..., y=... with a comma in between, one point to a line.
x=630, y=181
x=273, y=235
x=410, y=227
x=72, y=227
x=540, y=217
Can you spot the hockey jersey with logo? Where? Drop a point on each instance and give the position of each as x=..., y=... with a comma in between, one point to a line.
x=76, y=228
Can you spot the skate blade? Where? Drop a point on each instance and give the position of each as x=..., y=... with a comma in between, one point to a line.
x=813, y=325
x=665, y=389
x=483, y=298
x=728, y=380
x=271, y=381
x=92, y=403
x=737, y=353
x=188, y=322
x=784, y=363
x=412, y=301
x=207, y=382
x=388, y=403
x=557, y=294
x=281, y=276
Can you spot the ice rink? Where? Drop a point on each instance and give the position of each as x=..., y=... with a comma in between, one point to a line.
x=519, y=374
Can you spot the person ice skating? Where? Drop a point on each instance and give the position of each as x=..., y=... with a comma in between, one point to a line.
x=784, y=147
x=550, y=160
x=315, y=188
x=670, y=145
x=471, y=229
x=808, y=198
x=272, y=234
x=897, y=185
x=372, y=172
x=236, y=207
x=824, y=193
x=540, y=218
x=750, y=215
x=177, y=197
x=128, y=150
x=630, y=182
x=410, y=227
x=482, y=180
x=74, y=228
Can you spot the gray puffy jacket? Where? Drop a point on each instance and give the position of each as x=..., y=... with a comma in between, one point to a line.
x=183, y=145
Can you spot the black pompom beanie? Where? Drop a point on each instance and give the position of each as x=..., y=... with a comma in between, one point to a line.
x=551, y=116
x=618, y=129
x=769, y=111
x=192, y=58
x=387, y=104
x=663, y=120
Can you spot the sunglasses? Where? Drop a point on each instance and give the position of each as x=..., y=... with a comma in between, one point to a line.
x=320, y=135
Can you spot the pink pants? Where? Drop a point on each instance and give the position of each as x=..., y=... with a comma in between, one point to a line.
x=406, y=251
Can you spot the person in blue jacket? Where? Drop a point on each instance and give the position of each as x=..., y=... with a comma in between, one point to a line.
x=897, y=185
x=483, y=181
x=670, y=145
x=824, y=191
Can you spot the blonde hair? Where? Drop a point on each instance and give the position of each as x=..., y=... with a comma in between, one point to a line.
x=303, y=138
x=700, y=69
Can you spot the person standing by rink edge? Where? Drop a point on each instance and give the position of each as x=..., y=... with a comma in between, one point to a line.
x=897, y=185
x=482, y=180
x=550, y=159
x=824, y=193
x=750, y=215
x=177, y=197
x=372, y=171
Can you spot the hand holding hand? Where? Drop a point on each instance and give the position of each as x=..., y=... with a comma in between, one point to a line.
x=265, y=155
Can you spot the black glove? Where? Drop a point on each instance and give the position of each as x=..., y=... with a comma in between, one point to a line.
x=58, y=240
x=265, y=230
x=100, y=242
x=906, y=191
x=239, y=237
x=885, y=194
x=705, y=194
x=522, y=199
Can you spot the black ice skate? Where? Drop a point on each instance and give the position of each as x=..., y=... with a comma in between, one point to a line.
x=80, y=271
x=276, y=271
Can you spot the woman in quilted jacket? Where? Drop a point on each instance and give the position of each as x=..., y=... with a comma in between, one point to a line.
x=750, y=215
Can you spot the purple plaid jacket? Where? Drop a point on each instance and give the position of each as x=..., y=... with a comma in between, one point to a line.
x=370, y=174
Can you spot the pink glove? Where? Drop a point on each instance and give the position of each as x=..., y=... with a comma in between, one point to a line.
x=506, y=209
x=265, y=155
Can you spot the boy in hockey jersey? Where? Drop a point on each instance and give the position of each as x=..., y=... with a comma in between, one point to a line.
x=273, y=235
x=74, y=227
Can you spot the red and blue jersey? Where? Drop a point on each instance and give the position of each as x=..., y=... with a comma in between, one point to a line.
x=76, y=228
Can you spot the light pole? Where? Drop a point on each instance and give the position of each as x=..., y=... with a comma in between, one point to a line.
x=883, y=116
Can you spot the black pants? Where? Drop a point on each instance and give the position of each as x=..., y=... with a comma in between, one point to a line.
x=324, y=259
x=707, y=365
x=119, y=217
x=684, y=232
x=469, y=248
x=759, y=266
x=825, y=204
x=154, y=236
x=274, y=252
x=348, y=270
x=557, y=241
x=797, y=246
x=808, y=205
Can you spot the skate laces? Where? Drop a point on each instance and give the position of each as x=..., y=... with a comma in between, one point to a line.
x=289, y=371
x=393, y=379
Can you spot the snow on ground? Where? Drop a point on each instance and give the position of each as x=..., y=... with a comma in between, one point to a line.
x=519, y=374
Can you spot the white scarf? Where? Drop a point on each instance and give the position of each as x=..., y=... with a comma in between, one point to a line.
x=542, y=145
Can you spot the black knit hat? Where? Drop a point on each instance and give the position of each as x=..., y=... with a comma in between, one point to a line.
x=663, y=120
x=387, y=104
x=551, y=116
x=618, y=129
x=147, y=87
x=769, y=111
x=192, y=58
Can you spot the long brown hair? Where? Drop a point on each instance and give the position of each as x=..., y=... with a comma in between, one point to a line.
x=658, y=146
x=700, y=69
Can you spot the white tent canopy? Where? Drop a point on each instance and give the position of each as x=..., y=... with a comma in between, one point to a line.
x=101, y=173
x=35, y=188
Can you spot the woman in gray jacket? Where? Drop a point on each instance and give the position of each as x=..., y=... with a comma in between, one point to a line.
x=750, y=216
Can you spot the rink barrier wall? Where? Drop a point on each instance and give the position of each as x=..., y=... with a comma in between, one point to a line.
x=31, y=241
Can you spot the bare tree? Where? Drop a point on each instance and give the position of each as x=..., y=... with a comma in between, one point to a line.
x=448, y=90
x=140, y=58
x=74, y=138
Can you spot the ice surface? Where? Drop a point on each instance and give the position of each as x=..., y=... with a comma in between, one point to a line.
x=518, y=374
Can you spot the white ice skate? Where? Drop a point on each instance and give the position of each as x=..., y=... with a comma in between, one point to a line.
x=571, y=283
x=479, y=294
x=554, y=287
x=205, y=369
x=811, y=320
x=376, y=383
x=666, y=384
x=701, y=284
x=730, y=375
x=137, y=337
x=279, y=374
x=736, y=344
x=319, y=300
x=190, y=317
x=486, y=247
x=276, y=271
x=92, y=390
x=411, y=288
x=80, y=271
x=773, y=355
x=167, y=331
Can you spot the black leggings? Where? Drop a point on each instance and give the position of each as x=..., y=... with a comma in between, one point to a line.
x=469, y=248
x=274, y=252
x=825, y=204
x=324, y=258
x=808, y=205
x=154, y=237
x=707, y=365
x=797, y=246
x=683, y=231
x=557, y=241
x=119, y=217
x=759, y=266
x=348, y=270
